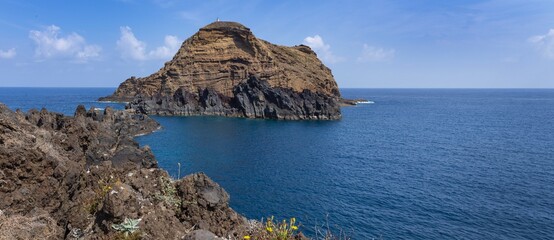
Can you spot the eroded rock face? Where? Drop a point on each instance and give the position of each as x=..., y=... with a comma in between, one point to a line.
x=253, y=98
x=211, y=64
x=73, y=177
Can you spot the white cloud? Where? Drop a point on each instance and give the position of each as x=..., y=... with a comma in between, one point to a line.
x=134, y=49
x=171, y=46
x=544, y=43
x=90, y=51
x=10, y=53
x=322, y=49
x=375, y=54
x=49, y=44
x=130, y=46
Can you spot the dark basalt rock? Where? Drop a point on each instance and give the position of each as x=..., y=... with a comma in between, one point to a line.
x=253, y=98
x=256, y=99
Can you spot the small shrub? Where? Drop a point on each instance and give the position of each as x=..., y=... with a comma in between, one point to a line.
x=128, y=226
x=168, y=193
x=104, y=187
x=288, y=230
x=274, y=230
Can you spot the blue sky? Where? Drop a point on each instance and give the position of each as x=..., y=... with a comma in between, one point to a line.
x=373, y=44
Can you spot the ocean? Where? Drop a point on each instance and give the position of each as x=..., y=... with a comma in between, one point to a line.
x=415, y=164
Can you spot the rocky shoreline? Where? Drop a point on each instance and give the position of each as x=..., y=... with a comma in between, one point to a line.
x=78, y=177
x=253, y=98
x=85, y=177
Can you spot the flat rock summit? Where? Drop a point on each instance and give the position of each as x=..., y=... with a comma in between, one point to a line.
x=224, y=70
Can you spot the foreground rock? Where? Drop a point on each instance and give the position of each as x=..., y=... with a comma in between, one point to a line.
x=74, y=177
x=225, y=70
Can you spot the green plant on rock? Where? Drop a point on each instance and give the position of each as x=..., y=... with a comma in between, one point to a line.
x=275, y=230
x=128, y=226
x=168, y=193
x=105, y=185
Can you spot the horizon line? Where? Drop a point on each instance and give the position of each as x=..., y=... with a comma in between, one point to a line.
x=69, y=87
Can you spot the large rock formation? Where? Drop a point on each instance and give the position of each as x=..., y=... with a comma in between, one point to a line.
x=74, y=177
x=225, y=70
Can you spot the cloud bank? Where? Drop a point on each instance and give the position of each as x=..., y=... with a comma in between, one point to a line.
x=50, y=44
x=322, y=49
x=133, y=49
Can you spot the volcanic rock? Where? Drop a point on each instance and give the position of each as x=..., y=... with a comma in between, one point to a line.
x=208, y=74
x=201, y=235
x=74, y=177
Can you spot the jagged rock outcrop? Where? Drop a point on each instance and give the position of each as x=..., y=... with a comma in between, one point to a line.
x=253, y=98
x=208, y=70
x=74, y=177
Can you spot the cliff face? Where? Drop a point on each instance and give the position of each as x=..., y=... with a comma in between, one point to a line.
x=221, y=57
x=74, y=177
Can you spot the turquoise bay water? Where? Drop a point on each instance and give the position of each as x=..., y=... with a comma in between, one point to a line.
x=417, y=164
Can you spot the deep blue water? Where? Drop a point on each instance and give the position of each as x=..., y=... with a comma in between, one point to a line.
x=417, y=164
x=62, y=100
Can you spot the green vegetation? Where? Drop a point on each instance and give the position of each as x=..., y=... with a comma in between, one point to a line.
x=104, y=187
x=168, y=193
x=128, y=226
x=274, y=230
x=287, y=230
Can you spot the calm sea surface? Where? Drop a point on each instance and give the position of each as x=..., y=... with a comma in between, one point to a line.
x=416, y=164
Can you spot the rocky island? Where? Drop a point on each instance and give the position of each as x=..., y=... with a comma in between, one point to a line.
x=224, y=70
